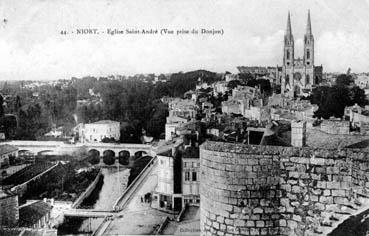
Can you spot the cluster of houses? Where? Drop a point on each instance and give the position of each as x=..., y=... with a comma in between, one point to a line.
x=28, y=218
x=245, y=116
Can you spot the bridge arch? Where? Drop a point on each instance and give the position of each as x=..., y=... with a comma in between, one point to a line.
x=139, y=154
x=94, y=156
x=109, y=157
x=123, y=157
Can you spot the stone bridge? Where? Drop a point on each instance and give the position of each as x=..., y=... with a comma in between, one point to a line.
x=60, y=148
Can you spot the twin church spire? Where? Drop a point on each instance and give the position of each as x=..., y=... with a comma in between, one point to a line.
x=298, y=74
x=289, y=28
x=308, y=43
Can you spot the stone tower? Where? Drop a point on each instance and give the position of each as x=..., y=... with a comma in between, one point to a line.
x=288, y=57
x=298, y=133
x=309, y=53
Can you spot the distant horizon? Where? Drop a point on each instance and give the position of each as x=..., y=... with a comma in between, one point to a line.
x=32, y=46
x=157, y=74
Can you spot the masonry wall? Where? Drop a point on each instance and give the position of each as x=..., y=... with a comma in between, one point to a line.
x=9, y=211
x=267, y=190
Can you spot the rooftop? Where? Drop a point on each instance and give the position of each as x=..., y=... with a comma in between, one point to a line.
x=6, y=148
x=319, y=139
x=105, y=122
x=191, y=152
x=29, y=214
x=5, y=194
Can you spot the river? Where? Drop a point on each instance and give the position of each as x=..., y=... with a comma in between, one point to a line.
x=107, y=191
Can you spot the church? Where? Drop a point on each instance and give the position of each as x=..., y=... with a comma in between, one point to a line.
x=299, y=75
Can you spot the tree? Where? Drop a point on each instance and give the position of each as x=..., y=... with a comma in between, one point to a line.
x=233, y=84
x=245, y=77
x=264, y=84
x=1, y=106
x=344, y=80
x=333, y=100
x=357, y=96
x=108, y=140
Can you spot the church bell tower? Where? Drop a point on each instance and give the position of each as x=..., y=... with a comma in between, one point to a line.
x=288, y=58
x=309, y=53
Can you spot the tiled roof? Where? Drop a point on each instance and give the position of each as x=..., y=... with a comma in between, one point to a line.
x=29, y=214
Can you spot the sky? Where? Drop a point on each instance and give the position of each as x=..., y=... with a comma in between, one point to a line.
x=32, y=48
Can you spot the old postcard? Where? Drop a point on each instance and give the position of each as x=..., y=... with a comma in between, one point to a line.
x=184, y=117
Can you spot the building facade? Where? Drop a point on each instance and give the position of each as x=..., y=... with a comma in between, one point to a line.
x=299, y=75
x=178, y=179
x=35, y=215
x=9, y=209
x=191, y=180
x=6, y=152
x=97, y=131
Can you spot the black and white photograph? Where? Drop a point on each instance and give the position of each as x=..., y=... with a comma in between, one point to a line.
x=184, y=117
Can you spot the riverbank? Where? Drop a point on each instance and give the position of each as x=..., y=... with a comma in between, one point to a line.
x=90, y=200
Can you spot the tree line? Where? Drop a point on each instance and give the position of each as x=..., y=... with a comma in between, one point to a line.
x=133, y=101
x=332, y=100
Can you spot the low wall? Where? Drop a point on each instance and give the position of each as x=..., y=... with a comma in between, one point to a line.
x=87, y=192
x=267, y=190
x=134, y=185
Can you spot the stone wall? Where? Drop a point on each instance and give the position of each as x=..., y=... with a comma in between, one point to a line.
x=335, y=127
x=9, y=211
x=269, y=190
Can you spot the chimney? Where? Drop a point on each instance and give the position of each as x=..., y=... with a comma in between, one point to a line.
x=298, y=133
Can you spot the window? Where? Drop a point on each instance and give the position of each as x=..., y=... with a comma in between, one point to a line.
x=194, y=176
x=187, y=176
x=288, y=54
x=307, y=54
x=287, y=79
x=307, y=79
x=185, y=164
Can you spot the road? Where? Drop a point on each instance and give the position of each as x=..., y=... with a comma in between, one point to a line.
x=137, y=217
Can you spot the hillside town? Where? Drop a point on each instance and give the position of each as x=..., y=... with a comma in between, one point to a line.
x=269, y=150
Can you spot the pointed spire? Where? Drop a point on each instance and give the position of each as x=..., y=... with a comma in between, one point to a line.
x=289, y=29
x=308, y=26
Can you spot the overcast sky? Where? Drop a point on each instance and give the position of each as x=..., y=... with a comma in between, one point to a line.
x=31, y=46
